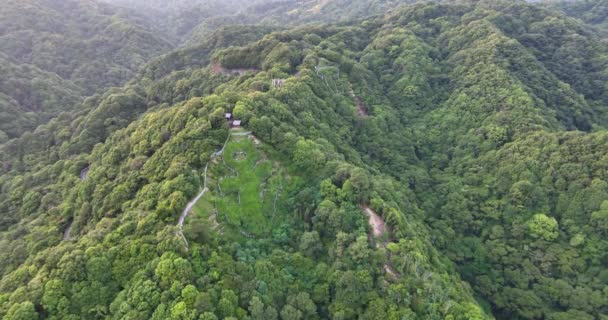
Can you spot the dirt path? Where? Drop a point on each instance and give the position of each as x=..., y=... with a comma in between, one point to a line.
x=84, y=173
x=190, y=205
x=68, y=230
x=361, y=107
x=214, y=224
x=378, y=229
x=241, y=133
x=375, y=221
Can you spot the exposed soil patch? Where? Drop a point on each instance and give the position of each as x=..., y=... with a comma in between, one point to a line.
x=68, y=231
x=362, y=109
x=218, y=69
x=378, y=229
x=214, y=224
x=84, y=173
x=389, y=271
x=375, y=221
x=256, y=141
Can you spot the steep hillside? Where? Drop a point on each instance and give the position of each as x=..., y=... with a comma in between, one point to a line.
x=446, y=161
x=176, y=19
x=57, y=52
x=30, y=96
x=294, y=13
x=190, y=21
x=81, y=41
x=91, y=46
x=594, y=12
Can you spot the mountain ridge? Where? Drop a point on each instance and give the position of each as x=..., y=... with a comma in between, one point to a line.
x=482, y=147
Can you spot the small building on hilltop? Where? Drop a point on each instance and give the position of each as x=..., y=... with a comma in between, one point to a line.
x=228, y=116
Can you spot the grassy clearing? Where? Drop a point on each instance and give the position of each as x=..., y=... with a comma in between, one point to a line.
x=247, y=190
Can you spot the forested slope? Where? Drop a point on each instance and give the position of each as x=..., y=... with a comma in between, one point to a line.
x=76, y=47
x=594, y=12
x=476, y=131
x=30, y=96
x=190, y=21
x=89, y=46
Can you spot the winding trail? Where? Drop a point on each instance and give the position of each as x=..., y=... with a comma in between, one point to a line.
x=190, y=205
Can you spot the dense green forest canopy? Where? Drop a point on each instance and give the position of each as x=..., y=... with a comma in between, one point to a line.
x=594, y=12
x=192, y=20
x=53, y=53
x=443, y=160
x=83, y=46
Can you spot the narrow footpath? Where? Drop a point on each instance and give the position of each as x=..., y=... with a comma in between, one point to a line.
x=192, y=203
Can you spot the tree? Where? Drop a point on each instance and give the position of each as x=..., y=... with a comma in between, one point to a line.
x=302, y=302
x=308, y=156
x=290, y=313
x=228, y=303
x=190, y=294
x=543, y=227
x=54, y=299
x=599, y=219
x=256, y=308
x=22, y=311
x=180, y=311
x=207, y=316
x=310, y=244
x=271, y=313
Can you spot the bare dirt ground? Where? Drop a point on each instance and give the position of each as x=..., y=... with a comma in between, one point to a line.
x=361, y=107
x=389, y=271
x=84, y=173
x=375, y=221
x=378, y=229
x=67, y=232
x=255, y=140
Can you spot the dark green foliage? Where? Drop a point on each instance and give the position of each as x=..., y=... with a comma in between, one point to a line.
x=471, y=135
x=53, y=53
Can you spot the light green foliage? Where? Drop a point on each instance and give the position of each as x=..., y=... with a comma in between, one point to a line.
x=22, y=311
x=53, y=55
x=600, y=218
x=543, y=227
x=474, y=131
x=247, y=191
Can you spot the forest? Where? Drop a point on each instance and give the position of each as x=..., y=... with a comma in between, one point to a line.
x=321, y=159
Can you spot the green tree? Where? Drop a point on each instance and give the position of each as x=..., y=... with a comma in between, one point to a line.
x=290, y=313
x=22, y=311
x=256, y=308
x=544, y=227
x=599, y=219
x=310, y=244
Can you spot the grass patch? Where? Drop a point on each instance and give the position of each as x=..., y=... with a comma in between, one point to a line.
x=248, y=191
